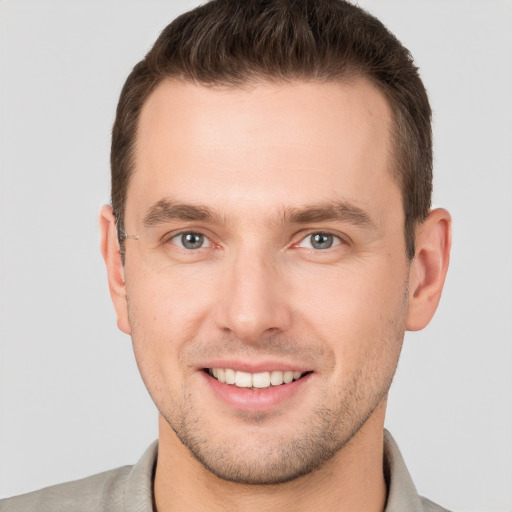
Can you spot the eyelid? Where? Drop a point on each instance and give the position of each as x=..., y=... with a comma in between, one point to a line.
x=170, y=235
x=298, y=237
x=205, y=240
x=343, y=239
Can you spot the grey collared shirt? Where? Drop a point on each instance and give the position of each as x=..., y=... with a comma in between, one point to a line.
x=130, y=489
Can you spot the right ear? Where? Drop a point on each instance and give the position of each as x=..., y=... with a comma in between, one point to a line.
x=115, y=268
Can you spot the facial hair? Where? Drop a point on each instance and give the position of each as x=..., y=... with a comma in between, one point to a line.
x=262, y=454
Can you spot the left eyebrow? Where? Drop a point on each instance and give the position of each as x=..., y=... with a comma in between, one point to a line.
x=334, y=211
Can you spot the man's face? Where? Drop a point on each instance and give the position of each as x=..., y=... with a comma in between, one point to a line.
x=270, y=247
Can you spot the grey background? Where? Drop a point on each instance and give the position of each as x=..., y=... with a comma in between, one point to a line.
x=71, y=400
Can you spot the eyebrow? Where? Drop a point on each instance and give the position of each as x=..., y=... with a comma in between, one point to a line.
x=340, y=211
x=166, y=210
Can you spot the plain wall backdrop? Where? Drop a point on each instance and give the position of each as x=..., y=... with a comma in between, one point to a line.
x=71, y=399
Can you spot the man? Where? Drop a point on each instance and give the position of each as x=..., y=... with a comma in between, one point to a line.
x=270, y=240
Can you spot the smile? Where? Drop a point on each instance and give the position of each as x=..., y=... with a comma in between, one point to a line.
x=260, y=380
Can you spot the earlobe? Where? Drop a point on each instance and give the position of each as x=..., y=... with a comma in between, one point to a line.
x=114, y=264
x=428, y=269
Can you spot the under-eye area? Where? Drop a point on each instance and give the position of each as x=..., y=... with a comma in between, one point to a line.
x=259, y=380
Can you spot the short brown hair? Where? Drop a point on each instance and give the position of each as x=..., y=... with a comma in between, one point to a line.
x=235, y=42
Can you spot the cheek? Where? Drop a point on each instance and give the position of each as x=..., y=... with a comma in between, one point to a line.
x=167, y=303
x=358, y=309
x=165, y=314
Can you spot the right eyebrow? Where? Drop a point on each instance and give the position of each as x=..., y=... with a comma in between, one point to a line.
x=165, y=211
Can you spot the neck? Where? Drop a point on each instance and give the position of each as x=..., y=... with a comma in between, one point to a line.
x=353, y=480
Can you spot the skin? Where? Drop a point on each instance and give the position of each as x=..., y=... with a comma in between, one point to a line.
x=262, y=160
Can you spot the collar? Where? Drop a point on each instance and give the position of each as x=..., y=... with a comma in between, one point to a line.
x=402, y=494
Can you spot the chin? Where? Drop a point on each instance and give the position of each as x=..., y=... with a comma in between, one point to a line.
x=261, y=455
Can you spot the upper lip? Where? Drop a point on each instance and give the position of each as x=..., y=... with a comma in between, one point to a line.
x=257, y=367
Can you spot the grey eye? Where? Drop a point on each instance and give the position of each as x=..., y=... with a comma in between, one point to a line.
x=320, y=241
x=190, y=240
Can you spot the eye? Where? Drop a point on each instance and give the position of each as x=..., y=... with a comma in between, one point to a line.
x=320, y=241
x=190, y=240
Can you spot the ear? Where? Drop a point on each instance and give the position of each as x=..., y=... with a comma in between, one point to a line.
x=115, y=269
x=428, y=269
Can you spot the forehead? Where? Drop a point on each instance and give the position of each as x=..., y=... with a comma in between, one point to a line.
x=293, y=142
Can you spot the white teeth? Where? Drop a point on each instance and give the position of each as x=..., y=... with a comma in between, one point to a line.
x=230, y=376
x=260, y=380
x=276, y=378
x=243, y=380
x=287, y=377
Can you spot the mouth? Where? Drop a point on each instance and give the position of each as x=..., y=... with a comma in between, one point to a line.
x=260, y=380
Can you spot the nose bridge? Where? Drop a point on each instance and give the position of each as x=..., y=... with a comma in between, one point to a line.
x=253, y=305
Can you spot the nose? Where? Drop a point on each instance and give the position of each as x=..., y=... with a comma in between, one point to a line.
x=253, y=305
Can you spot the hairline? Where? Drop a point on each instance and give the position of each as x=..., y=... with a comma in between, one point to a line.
x=254, y=79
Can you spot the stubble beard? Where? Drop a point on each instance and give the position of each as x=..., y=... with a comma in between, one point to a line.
x=264, y=461
x=311, y=443
x=315, y=439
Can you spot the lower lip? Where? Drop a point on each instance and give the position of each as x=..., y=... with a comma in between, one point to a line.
x=257, y=400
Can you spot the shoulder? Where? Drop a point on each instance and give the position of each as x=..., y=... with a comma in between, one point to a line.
x=104, y=491
x=126, y=489
x=430, y=506
x=402, y=493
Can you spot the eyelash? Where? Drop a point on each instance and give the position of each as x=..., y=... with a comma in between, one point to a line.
x=176, y=239
x=337, y=241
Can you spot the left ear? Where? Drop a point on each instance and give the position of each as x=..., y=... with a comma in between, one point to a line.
x=429, y=267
